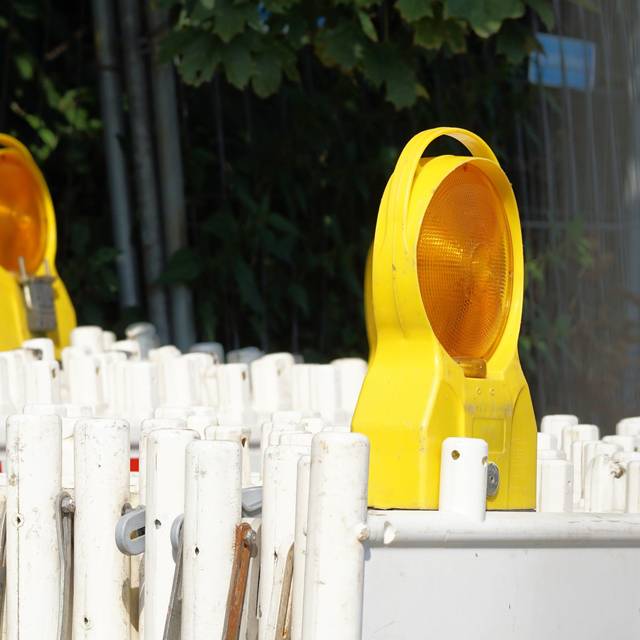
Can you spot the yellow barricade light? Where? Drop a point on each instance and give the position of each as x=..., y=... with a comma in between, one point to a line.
x=444, y=307
x=33, y=299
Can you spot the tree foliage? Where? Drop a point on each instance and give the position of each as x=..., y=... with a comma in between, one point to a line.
x=292, y=115
x=304, y=108
x=385, y=45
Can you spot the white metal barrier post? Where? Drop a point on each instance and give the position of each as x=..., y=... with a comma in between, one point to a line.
x=213, y=508
x=165, y=501
x=101, y=572
x=34, y=469
x=300, y=546
x=278, y=524
x=334, y=569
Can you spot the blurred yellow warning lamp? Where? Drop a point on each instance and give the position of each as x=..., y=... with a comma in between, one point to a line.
x=445, y=307
x=33, y=299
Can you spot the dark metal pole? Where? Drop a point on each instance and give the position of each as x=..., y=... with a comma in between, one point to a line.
x=113, y=128
x=171, y=176
x=145, y=175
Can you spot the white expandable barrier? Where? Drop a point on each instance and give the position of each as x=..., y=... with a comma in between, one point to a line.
x=633, y=487
x=42, y=382
x=88, y=339
x=427, y=571
x=234, y=434
x=171, y=442
x=271, y=382
x=68, y=419
x=336, y=530
x=629, y=426
x=82, y=375
x=578, y=433
x=165, y=492
x=300, y=545
x=34, y=469
x=149, y=426
x=137, y=394
x=40, y=348
x=15, y=363
x=350, y=374
x=201, y=422
x=278, y=526
x=555, y=424
x=101, y=572
x=555, y=486
x=131, y=348
x=211, y=512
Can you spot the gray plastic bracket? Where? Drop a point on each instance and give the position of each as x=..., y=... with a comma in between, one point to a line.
x=130, y=532
x=175, y=535
x=251, y=501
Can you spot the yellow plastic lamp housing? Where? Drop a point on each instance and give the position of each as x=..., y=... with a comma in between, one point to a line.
x=27, y=235
x=445, y=305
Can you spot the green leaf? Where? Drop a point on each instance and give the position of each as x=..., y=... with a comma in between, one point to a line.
x=414, y=10
x=25, y=65
x=280, y=6
x=383, y=65
x=222, y=225
x=183, y=266
x=103, y=256
x=515, y=41
x=199, y=54
x=231, y=19
x=435, y=33
x=544, y=9
x=175, y=43
x=238, y=65
x=361, y=4
x=367, y=26
x=340, y=46
x=208, y=4
x=401, y=88
x=27, y=9
x=247, y=286
x=429, y=34
x=282, y=224
x=421, y=91
x=484, y=16
x=48, y=137
x=534, y=270
x=267, y=76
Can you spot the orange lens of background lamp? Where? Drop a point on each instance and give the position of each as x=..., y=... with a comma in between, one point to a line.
x=22, y=214
x=465, y=264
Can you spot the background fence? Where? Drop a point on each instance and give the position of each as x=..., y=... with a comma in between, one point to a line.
x=577, y=182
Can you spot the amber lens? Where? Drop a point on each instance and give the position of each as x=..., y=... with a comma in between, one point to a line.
x=22, y=214
x=465, y=264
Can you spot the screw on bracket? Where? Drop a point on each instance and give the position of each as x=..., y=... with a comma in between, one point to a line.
x=493, y=479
